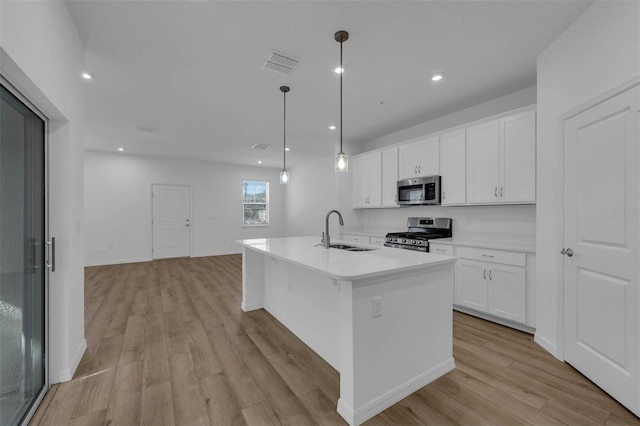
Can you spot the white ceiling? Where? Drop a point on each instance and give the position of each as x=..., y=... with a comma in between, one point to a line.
x=192, y=70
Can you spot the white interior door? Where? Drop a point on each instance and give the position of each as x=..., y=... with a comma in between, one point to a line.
x=171, y=221
x=601, y=187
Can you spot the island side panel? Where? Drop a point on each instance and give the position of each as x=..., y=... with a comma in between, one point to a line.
x=252, y=279
x=387, y=357
x=307, y=303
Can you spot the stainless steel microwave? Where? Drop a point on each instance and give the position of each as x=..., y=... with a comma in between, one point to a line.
x=419, y=191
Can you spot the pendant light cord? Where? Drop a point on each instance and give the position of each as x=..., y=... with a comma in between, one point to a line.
x=284, y=134
x=341, y=72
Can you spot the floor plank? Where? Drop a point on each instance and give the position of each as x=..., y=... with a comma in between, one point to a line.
x=169, y=344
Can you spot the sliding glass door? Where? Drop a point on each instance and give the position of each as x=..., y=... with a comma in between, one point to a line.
x=23, y=272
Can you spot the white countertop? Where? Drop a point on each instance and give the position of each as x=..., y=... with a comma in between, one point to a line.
x=511, y=242
x=342, y=264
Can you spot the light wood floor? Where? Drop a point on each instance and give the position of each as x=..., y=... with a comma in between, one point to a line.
x=168, y=344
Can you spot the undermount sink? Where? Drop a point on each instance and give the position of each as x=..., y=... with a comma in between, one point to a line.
x=350, y=248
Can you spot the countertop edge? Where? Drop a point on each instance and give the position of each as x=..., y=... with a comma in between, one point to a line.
x=495, y=245
x=434, y=264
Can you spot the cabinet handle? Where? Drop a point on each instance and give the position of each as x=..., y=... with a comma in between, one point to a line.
x=487, y=255
x=484, y=274
x=419, y=169
x=440, y=250
x=495, y=192
x=490, y=278
x=443, y=195
x=415, y=170
x=501, y=191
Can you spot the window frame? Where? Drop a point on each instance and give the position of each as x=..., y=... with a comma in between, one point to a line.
x=265, y=203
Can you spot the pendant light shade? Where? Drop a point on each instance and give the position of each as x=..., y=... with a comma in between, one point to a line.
x=284, y=174
x=342, y=159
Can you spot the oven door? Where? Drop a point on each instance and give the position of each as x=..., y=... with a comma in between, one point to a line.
x=410, y=193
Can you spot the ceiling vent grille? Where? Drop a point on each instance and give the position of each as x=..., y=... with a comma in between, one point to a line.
x=280, y=63
x=261, y=146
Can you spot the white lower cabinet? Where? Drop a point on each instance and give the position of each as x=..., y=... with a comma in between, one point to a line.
x=486, y=286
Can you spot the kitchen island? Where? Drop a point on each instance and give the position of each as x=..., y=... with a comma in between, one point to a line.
x=382, y=318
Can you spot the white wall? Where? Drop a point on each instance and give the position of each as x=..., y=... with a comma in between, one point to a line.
x=118, y=204
x=42, y=56
x=598, y=52
x=508, y=102
x=505, y=220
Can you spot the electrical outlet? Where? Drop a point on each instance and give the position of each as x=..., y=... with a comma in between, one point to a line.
x=377, y=306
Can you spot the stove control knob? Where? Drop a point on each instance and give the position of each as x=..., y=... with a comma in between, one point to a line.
x=403, y=240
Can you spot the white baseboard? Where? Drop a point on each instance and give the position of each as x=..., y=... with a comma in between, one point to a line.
x=221, y=253
x=248, y=307
x=118, y=262
x=497, y=320
x=385, y=401
x=546, y=345
x=67, y=374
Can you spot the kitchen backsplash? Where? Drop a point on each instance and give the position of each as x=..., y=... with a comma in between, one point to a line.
x=505, y=219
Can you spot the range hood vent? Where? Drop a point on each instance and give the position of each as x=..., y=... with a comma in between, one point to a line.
x=280, y=63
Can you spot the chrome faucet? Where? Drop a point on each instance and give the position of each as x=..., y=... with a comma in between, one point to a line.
x=326, y=239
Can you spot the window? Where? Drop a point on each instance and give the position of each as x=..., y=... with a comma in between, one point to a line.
x=255, y=200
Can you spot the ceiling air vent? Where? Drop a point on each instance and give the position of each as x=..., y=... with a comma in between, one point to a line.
x=145, y=129
x=261, y=146
x=280, y=63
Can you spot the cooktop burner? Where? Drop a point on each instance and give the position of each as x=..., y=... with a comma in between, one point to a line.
x=421, y=230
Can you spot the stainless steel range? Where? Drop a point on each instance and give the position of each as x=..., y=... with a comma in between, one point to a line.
x=421, y=230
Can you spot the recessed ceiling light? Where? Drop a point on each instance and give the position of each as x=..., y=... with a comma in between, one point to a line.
x=87, y=76
x=332, y=127
x=287, y=149
x=121, y=149
x=437, y=76
x=259, y=161
x=338, y=70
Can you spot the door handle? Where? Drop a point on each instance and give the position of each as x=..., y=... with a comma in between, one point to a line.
x=51, y=264
x=567, y=252
x=495, y=192
x=501, y=191
x=484, y=274
x=490, y=278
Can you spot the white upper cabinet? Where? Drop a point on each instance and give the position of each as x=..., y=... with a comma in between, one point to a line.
x=501, y=160
x=518, y=162
x=483, y=148
x=453, y=168
x=421, y=158
x=389, y=177
x=367, y=180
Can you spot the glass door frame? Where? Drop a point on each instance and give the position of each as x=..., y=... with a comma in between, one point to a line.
x=47, y=238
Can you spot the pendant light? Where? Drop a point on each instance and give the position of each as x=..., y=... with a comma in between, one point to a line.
x=342, y=160
x=284, y=174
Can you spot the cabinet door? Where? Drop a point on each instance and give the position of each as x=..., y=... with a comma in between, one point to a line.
x=374, y=180
x=471, y=284
x=483, y=146
x=357, y=191
x=429, y=157
x=518, y=158
x=507, y=292
x=453, y=168
x=389, y=177
x=408, y=155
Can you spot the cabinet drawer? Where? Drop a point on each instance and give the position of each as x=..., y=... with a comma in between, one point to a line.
x=376, y=241
x=441, y=249
x=489, y=255
x=356, y=238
